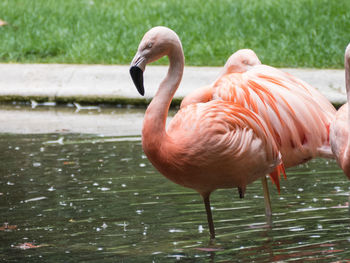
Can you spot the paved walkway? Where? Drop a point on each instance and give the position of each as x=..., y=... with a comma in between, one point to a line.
x=106, y=84
x=45, y=119
x=112, y=84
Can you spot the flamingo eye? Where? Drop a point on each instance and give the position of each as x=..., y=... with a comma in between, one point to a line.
x=149, y=45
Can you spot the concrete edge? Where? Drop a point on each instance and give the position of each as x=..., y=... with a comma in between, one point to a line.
x=105, y=84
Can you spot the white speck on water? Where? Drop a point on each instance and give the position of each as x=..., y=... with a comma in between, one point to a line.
x=124, y=225
x=36, y=164
x=200, y=229
x=175, y=230
x=294, y=229
x=139, y=211
x=338, y=189
x=35, y=199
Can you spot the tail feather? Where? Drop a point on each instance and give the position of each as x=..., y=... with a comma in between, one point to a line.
x=276, y=175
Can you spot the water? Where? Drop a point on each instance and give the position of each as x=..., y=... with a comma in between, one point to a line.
x=83, y=198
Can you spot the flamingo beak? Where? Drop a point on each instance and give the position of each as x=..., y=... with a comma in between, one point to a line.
x=137, y=77
x=137, y=67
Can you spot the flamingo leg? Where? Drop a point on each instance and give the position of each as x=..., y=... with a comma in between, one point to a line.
x=268, y=211
x=241, y=192
x=209, y=216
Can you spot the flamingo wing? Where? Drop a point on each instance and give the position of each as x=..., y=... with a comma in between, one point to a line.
x=300, y=123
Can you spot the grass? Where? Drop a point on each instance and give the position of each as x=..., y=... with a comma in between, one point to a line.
x=288, y=33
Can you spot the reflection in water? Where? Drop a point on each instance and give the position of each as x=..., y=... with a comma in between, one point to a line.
x=84, y=198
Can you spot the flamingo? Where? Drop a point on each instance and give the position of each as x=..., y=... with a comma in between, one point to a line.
x=206, y=146
x=298, y=114
x=339, y=132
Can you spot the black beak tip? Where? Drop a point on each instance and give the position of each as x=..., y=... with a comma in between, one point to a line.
x=137, y=77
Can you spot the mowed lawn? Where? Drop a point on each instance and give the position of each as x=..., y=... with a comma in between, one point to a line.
x=284, y=33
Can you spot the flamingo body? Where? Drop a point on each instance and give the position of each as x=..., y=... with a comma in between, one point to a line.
x=214, y=145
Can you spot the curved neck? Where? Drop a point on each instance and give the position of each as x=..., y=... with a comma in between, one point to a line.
x=157, y=112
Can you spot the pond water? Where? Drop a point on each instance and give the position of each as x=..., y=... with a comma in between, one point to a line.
x=84, y=198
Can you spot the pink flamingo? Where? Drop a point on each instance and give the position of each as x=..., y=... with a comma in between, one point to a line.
x=297, y=113
x=339, y=132
x=206, y=146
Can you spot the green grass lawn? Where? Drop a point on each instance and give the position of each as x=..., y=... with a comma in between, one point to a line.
x=284, y=33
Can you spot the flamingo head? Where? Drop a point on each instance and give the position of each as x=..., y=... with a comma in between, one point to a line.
x=156, y=43
x=241, y=61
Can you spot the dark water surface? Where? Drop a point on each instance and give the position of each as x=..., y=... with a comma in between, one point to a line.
x=98, y=199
